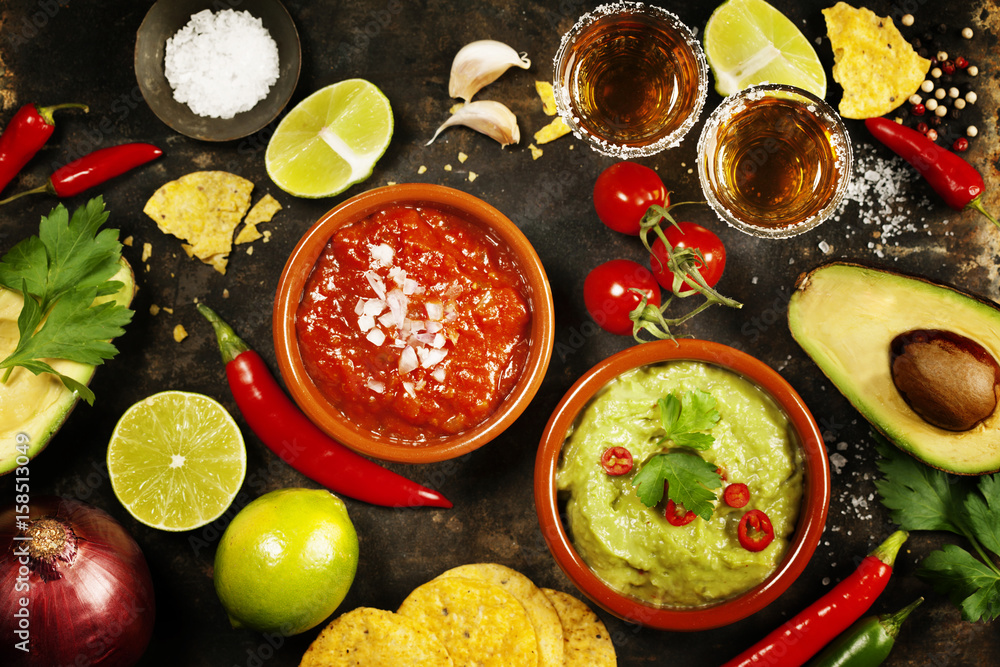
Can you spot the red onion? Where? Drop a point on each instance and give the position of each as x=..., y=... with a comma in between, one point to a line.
x=78, y=592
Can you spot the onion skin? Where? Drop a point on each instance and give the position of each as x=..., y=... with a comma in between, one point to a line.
x=97, y=609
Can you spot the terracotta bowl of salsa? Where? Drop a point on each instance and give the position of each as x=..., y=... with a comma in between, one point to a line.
x=413, y=323
x=662, y=566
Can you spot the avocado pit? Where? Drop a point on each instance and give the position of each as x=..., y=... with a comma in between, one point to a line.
x=950, y=380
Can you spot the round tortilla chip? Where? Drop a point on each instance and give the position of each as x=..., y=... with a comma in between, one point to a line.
x=375, y=638
x=588, y=643
x=544, y=619
x=478, y=623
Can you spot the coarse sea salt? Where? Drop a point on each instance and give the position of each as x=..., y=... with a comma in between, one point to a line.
x=221, y=64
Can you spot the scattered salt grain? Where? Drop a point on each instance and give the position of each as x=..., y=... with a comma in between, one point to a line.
x=221, y=64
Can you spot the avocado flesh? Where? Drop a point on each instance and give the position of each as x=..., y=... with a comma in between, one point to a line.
x=34, y=407
x=845, y=316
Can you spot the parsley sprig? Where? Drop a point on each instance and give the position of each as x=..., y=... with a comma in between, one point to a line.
x=62, y=273
x=923, y=498
x=688, y=479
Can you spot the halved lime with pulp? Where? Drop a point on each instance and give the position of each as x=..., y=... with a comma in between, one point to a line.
x=176, y=460
x=330, y=140
x=748, y=42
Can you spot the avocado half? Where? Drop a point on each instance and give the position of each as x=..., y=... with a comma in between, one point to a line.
x=845, y=316
x=34, y=407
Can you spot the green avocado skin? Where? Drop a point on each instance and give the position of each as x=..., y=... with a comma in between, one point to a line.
x=24, y=441
x=844, y=316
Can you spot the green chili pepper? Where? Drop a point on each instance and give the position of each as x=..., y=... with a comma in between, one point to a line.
x=866, y=643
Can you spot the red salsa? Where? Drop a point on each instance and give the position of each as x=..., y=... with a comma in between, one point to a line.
x=414, y=323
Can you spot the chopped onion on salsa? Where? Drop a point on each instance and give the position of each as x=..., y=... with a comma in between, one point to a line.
x=414, y=323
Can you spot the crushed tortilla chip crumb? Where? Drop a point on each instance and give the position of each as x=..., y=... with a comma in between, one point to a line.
x=250, y=250
x=557, y=128
x=127, y=241
x=447, y=167
x=422, y=169
x=168, y=310
x=154, y=309
x=225, y=294
x=473, y=176
x=462, y=157
x=267, y=236
x=548, y=97
x=147, y=251
x=536, y=152
x=180, y=333
x=248, y=234
x=263, y=210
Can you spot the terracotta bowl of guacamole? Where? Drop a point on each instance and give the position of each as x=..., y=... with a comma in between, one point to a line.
x=682, y=485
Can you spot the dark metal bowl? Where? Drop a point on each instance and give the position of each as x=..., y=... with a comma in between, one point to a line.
x=165, y=18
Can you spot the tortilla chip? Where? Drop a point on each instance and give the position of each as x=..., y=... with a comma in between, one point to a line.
x=248, y=234
x=202, y=208
x=377, y=638
x=552, y=131
x=544, y=619
x=263, y=210
x=876, y=67
x=588, y=643
x=478, y=623
x=548, y=97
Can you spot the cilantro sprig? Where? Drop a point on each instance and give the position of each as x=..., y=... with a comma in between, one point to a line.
x=687, y=479
x=62, y=273
x=923, y=498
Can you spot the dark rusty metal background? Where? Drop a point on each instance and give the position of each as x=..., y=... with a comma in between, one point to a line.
x=63, y=50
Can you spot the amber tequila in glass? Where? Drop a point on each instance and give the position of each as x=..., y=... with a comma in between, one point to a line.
x=774, y=160
x=630, y=78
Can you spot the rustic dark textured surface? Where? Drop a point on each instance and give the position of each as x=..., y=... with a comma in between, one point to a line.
x=61, y=50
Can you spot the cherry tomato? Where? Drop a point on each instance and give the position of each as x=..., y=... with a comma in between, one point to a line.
x=608, y=295
x=677, y=515
x=755, y=531
x=616, y=461
x=623, y=192
x=689, y=235
x=736, y=495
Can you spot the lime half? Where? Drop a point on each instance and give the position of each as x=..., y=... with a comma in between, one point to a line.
x=176, y=460
x=748, y=42
x=330, y=140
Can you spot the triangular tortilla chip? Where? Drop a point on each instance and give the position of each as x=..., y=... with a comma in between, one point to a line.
x=876, y=67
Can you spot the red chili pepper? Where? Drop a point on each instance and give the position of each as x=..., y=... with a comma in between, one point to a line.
x=800, y=638
x=617, y=461
x=949, y=174
x=93, y=169
x=300, y=443
x=736, y=495
x=677, y=517
x=755, y=530
x=25, y=135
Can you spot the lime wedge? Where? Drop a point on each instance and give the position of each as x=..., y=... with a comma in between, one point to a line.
x=176, y=460
x=748, y=42
x=330, y=140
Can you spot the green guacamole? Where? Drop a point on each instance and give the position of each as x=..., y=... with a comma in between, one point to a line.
x=631, y=546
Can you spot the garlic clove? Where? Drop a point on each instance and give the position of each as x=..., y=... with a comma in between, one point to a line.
x=479, y=64
x=491, y=118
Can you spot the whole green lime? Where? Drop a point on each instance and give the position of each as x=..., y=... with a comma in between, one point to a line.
x=286, y=561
